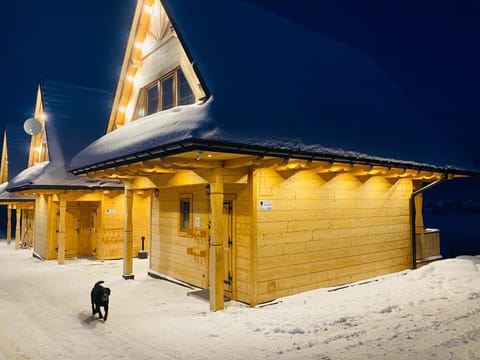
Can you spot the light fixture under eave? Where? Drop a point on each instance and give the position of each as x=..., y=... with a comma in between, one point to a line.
x=32, y=126
x=199, y=156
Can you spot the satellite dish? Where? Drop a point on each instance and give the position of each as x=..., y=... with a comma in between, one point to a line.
x=32, y=126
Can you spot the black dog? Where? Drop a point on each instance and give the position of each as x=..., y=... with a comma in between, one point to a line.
x=100, y=297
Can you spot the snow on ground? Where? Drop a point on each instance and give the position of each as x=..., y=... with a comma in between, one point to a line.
x=429, y=313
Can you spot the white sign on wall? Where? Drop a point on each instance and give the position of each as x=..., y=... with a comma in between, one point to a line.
x=265, y=205
x=111, y=211
x=197, y=222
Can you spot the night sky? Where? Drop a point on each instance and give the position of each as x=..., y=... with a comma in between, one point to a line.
x=79, y=42
x=430, y=49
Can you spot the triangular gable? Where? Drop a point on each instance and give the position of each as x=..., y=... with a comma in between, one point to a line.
x=38, y=144
x=4, y=163
x=152, y=41
x=66, y=111
x=7, y=198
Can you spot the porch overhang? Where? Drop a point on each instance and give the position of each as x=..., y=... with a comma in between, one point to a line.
x=32, y=188
x=326, y=156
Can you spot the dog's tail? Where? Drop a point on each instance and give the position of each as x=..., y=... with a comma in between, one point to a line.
x=99, y=282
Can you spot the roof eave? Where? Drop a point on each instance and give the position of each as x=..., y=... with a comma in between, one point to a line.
x=62, y=187
x=237, y=148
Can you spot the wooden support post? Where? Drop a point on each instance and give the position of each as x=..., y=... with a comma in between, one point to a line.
x=127, y=237
x=61, y=232
x=217, y=235
x=9, y=224
x=18, y=236
x=419, y=229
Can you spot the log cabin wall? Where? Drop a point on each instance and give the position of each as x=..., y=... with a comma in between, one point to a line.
x=181, y=254
x=40, y=225
x=97, y=215
x=318, y=230
x=184, y=254
x=141, y=213
x=243, y=230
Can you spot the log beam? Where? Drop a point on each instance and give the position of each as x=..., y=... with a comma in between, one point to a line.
x=128, y=236
x=9, y=224
x=18, y=236
x=217, y=235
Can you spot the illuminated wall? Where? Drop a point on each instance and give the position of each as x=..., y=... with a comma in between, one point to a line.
x=318, y=230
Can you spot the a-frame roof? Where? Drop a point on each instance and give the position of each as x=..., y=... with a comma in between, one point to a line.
x=4, y=161
x=72, y=117
x=5, y=196
x=275, y=87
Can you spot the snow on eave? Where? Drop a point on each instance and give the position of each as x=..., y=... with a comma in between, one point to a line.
x=7, y=197
x=150, y=132
x=50, y=176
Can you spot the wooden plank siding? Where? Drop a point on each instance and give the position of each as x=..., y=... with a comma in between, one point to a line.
x=141, y=220
x=40, y=231
x=242, y=241
x=96, y=223
x=175, y=253
x=185, y=255
x=326, y=230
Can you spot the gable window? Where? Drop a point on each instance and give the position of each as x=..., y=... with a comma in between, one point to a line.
x=185, y=213
x=167, y=92
x=152, y=99
x=185, y=94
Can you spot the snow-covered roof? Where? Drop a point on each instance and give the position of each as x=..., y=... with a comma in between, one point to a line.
x=74, y=117
x=49, y=175
x=8, y=197
x=273, y=84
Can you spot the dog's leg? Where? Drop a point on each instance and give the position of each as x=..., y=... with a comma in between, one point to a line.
x=93, y=305
x=100, y=316
x=106, y=312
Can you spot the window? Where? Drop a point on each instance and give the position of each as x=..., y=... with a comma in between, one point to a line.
x=185, y=94
x=152, y=100
x=165, y=93
x=185, y=213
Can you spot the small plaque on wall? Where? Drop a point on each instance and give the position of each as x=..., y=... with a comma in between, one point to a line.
x=265, y=205
x=111, y=211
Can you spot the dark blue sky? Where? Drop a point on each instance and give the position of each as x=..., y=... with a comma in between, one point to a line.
x=431, y=49
x=79, y=42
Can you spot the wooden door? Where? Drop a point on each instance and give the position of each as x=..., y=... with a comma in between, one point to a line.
x=227, y=248
x=72, y=230
x=86, y=229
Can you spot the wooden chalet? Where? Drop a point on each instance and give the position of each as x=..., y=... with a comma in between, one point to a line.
x=231, y=119
x=74, y=216
x=22, y=205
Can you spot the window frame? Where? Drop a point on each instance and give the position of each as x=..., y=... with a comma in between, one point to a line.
x=146, y=100
x=183, y=198
x=158, y=84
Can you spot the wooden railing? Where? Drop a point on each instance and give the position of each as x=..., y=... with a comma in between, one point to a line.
x=428, y=245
